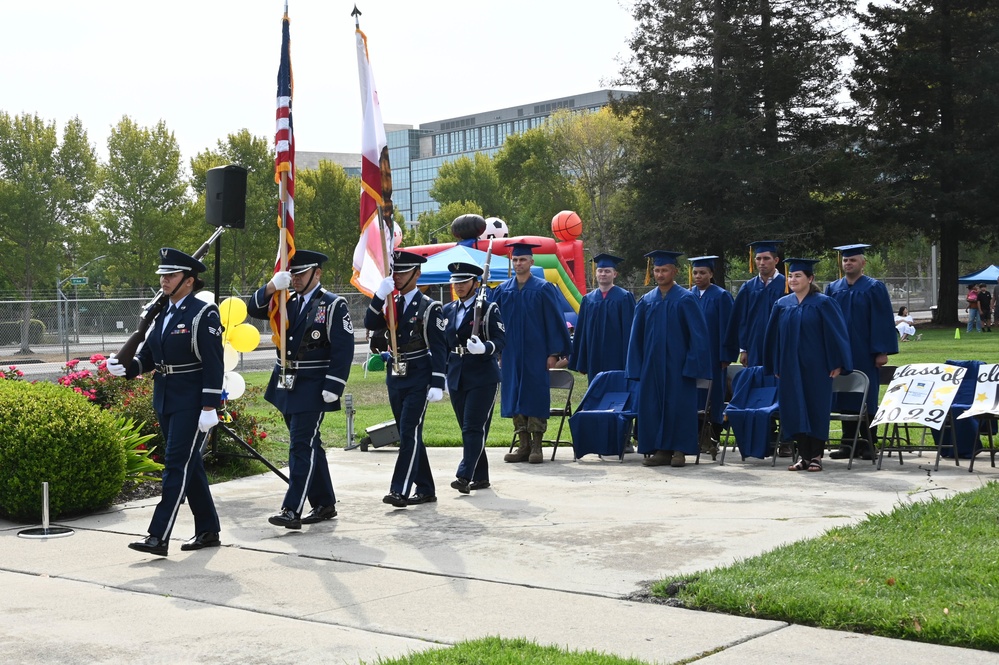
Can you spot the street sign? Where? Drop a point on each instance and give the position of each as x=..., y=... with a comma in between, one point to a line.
x=78, y=281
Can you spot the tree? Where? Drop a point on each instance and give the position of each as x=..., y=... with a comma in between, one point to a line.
x=435, y=227
x=735, y=117
x=142, y=201
x=594, y=151
x=327, y=207
x=247, y=254
x=927, y=93
x=470, y=179
x=533, y=181
x=45, y=188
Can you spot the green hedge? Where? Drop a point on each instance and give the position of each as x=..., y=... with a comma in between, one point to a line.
x=10, y=332
x=55, y=435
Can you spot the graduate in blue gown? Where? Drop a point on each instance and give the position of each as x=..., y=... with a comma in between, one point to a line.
x=870, y=323
x=667, y=353
x=604, y=323
x=536, y=337
x=806, y=346
x=754, y=303
x=716, y=304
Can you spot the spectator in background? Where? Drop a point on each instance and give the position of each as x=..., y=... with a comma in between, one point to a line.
x=903, y=324
x=985, y=305
x=974, y=313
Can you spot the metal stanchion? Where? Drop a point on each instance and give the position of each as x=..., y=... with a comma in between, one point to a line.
x=348, y=409
x=45, y=531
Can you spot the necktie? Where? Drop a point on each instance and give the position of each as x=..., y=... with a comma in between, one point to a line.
x=166, y=319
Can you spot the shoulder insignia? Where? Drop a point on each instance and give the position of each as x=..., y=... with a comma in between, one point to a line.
x=347, y=326
x=500, y=325
x=442, y=323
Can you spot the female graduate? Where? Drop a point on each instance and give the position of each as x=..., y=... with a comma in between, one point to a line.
x=806, y=346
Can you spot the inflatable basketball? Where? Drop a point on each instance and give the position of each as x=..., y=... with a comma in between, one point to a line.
x=567, y=225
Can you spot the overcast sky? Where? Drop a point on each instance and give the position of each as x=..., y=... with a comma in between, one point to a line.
x=208, y=67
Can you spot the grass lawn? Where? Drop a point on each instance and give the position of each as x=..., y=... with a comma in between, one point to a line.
x=497, y=651
x=925, y=571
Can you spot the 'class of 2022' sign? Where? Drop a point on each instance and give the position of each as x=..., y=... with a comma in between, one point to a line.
x=986, y=400
x=921, y=393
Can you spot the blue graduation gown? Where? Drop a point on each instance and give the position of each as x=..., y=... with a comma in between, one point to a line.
x=804, y=342
x=870, y=322
x=667, y=353
x=602, y=331
x=716, y=305
x=535, y=329
x=750, y=315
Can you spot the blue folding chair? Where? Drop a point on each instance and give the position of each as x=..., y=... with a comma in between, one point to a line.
x=752, y=412
x=604, y=420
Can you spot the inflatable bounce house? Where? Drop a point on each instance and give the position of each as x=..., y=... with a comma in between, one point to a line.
x=559, y=260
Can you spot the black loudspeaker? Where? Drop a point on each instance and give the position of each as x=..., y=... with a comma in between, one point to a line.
x=225, y=198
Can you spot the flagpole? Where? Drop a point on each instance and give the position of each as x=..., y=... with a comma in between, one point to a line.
x=283, y=263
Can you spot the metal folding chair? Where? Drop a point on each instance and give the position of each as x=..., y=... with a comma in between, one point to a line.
x=858, y=384
x=561, y=380
x=704, y=416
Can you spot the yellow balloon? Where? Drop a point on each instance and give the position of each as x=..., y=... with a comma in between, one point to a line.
x=244, y=337
x=233, y=312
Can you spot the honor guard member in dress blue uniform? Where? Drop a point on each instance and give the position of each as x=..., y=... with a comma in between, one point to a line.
x=753, y=305
x=870, y=321
x=716, y=304
x=667, y=353
x=472, y=372
x=806, y=347
x=319, y=349
x=536, y=337
x=418, y=376
x=603, y=326
x=184, y=346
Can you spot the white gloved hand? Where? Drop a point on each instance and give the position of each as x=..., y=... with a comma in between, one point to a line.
x=475, y=346
x=385, y=288
x=329, y=397
x=207, y=420
x=281, y=280
x=115, y=367
x=435, y=395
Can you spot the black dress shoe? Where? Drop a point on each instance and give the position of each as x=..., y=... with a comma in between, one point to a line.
x=842, y=453
x=286, y=518
x=319, y=514
x=461, y=485
x=201, y=541
x=395, y=499
x=478, y=484
x=417, y=499
x=150, y=545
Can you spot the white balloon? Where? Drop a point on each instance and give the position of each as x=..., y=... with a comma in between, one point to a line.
x=207, y=296
x=230, y=358
x=233, y=385
x=396, y=235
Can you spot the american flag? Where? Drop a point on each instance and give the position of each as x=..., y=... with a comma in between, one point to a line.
x=375, y=242
x=284, y=163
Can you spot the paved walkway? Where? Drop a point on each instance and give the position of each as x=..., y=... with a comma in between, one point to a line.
x=548, y=553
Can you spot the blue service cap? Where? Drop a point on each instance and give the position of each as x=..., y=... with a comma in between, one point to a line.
x=662, y=257
x=304, y=259
x=607, y=261
x=403, y=261
x=173, y=260
x=521, y=248
x=703, y=261
x=766, y=246
x=850, y=250
x=462, y=272
x=803, y=265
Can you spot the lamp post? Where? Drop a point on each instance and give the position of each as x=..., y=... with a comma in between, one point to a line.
x=64, y=303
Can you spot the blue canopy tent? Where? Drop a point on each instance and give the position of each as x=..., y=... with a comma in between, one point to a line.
x=988, y=276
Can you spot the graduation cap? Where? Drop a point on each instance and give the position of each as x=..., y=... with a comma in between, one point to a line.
x=304, y=260
x=607, y=261
x=173, y=260
x=850, y=250
x=806, y=266
x=462, y=272
x=522, y=248
x=403, y=261
x=761, y=246
x=703, y=261
x=662, y=257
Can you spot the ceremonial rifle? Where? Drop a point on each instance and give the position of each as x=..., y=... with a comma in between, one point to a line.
x=152, y=309
x=480, y=298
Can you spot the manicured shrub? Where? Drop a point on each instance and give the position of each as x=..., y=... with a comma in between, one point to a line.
x=10, y=332
x=55, y=435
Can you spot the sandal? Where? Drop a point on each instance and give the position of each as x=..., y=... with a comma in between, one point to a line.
x=800, y=465
x=815, y=464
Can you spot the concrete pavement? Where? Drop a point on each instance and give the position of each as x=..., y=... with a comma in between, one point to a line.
x=548, y=552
